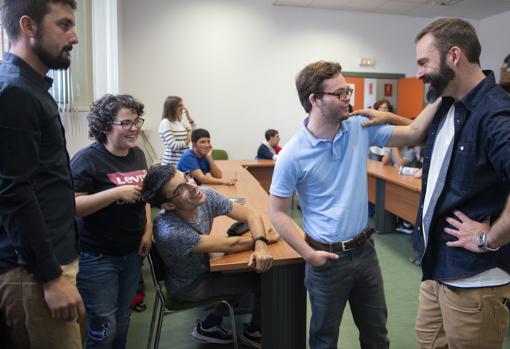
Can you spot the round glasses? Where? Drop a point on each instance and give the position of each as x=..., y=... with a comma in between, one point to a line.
x=342, y=93
x=127, y=124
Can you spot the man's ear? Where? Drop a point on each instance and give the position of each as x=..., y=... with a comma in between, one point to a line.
x=28, y=26
x=168, y=206
x=455, y=54
x=312, y=98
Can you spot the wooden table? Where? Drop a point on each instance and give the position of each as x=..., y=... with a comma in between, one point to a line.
x=262, y=170
x=392, y=194
x=283, y=294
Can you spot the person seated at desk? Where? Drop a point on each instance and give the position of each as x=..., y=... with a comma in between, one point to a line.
x=182, y=234
x=403, y=156
x=269, y=150
x=198, y=160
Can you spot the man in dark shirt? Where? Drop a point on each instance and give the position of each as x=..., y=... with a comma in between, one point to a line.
x=269, y=150
x=464, y=216
x=38, y=242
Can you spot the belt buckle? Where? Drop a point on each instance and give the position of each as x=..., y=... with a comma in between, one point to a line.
x=345, y=249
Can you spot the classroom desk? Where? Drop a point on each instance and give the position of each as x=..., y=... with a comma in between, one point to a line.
x=392, y=194
x=282, y=289
x=262, y=170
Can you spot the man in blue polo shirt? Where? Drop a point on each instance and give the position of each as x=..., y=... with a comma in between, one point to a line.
x=199, y=162
x=325, y=162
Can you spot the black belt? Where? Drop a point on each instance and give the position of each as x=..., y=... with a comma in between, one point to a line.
x=342, y=245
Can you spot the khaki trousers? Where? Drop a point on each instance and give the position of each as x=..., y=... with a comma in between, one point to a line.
x=461, y=317
x=25, y=319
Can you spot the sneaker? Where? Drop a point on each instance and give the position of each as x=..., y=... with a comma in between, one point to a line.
x=251, y=339
x=215, y=334
x=406, y=228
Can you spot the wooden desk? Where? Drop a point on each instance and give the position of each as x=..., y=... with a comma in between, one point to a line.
x=282, y=288
x=392, y=194
x=262, y=170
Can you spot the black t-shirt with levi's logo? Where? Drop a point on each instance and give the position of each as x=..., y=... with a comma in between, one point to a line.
x=117, y=228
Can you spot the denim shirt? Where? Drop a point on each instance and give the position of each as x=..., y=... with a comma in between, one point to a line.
x=477, y=181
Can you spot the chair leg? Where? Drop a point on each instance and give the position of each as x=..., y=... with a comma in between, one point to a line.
x=232, y=323
x=158, y=327
x=154, y=313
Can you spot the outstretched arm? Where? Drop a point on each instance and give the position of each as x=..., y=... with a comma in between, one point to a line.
x=407, y=132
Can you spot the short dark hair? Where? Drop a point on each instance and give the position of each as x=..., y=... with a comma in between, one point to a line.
x=199, y=133
x=103, y=112
x=311, y=79
x=154, y=182
x=381, y=102
x=450, y=32
x=270, y=133
x=13, y=10
x=170, y=108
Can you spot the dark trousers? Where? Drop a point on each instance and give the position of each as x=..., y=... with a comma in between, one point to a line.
x=354, y=277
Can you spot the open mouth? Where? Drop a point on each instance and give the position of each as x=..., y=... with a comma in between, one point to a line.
x=197, y=194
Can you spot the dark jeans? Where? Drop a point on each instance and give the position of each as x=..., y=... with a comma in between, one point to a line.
x=220, y=284
x=354, y=277
x=107, y=285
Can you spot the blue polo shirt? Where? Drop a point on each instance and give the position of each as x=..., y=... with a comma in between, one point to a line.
x=190, y=162
x=330, y=177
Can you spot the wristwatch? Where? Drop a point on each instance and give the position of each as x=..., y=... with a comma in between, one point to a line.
x=481, y=242
x=261, y=238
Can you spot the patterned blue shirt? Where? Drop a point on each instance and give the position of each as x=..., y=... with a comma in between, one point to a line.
x=176, y=238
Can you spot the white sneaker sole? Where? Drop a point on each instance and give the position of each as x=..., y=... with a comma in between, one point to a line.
x=204, y=339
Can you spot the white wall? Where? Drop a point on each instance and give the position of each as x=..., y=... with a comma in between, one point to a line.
x=234, y=61
x=494, y=34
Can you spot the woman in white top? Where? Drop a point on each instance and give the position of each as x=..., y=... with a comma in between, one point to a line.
x=174, y=132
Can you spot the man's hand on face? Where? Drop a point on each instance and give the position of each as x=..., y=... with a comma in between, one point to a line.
x=376, y=116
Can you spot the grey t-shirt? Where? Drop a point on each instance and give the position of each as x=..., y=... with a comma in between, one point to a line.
x=175, y=239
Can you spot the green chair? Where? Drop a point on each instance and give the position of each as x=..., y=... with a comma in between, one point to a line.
x=165, y=305
x=219, y=154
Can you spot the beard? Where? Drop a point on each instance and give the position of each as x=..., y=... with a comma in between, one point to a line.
x=52, y=61
x=438, y=82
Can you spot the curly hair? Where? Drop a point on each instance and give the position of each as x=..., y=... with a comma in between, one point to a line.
x=103, y=113
x=381, y=102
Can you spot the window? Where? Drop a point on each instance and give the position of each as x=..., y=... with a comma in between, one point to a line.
x=4, y=42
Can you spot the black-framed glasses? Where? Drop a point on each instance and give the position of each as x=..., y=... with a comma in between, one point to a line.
x=127, y=124
x=341, y=93
x=189, y=183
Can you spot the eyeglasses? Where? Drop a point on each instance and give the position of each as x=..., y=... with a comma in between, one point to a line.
x=340, y=93
x=127, y=124
x=189, y=183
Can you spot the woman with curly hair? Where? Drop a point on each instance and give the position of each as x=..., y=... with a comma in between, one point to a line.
x=114, y=224
x=174, y=132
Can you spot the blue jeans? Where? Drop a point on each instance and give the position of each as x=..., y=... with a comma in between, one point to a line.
x=108, y=285
x=354, y=277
